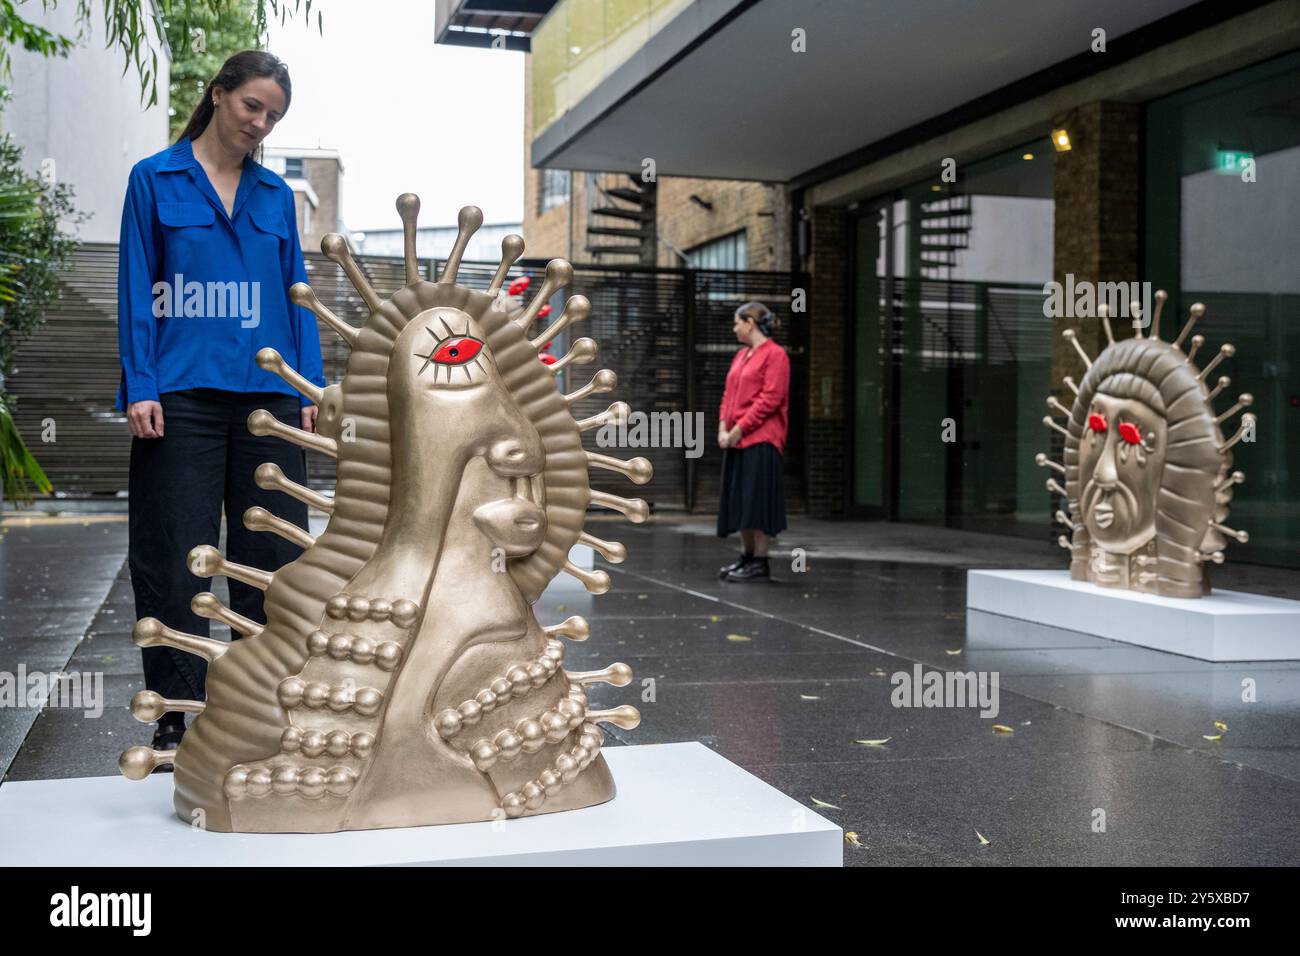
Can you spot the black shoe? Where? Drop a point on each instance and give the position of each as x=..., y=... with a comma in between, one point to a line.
x=755, y=570
x=167, y=737
x=736, y=565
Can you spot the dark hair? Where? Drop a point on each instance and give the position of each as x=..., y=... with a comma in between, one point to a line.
x=234, y=73
x=761, y=314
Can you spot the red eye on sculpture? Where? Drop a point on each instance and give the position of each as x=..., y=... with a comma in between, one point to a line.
x=544, y=311
x=1129, y=432
x=518, y=286
x=1096, y=422
x=456, y=351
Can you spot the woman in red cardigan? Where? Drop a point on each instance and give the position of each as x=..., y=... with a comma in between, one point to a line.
x=752, y=426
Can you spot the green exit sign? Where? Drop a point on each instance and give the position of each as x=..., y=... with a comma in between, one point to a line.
x=1233, y=160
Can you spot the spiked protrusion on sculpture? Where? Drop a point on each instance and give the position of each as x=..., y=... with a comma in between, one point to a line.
x=580, y=353
x=1103, y=311
x=636, y=470
x=467, y=223
x=1055, y=486
x=261, y=422
x=620, y=675
x=270, y=477
x=259, y=519
x=1051, y=423
x=1160, y=297
x=1135, y=312
x=1071, y=337
x=627, y=717
x=1055, y=405
x=512, y=247
x=208, y=605
x=1197, y=342
x=1042, y=461
x=1214, y=557
x=148, y=706
x=270, y=360
x=1063, y=541
x=559, y=273
x=205, y=561
x=301, y=294
x=611, y=551
x=1064, y=519
x=1244, y=400
x=1195, y=312
x=577, y=308
x=616, y=414
x=596, y=582
x=408, y=209
x=575, y=628
x=1226, y=350
x=336, y=250
x=1223, y=383
x=151, y=632
x=602, y=381
x=1247, y=426
x=1070, y=383
x=138, y=762
x=635, y=509
x=1236, y=478
x=1241, y=537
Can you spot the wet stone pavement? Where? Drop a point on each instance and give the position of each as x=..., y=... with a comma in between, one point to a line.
x=787, y=678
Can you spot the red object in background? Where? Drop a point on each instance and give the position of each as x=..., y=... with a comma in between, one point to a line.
x=518, y=286
x=1096, y=423
x=547, y=359
x=544, y=311
x=1130, y=433
x=757, y=396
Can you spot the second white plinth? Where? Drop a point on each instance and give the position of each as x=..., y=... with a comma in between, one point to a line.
x=1222, y=626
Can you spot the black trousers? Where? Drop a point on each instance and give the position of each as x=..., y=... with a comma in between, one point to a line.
x=178, y=486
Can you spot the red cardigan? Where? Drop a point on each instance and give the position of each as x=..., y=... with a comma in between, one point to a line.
x=757, y=396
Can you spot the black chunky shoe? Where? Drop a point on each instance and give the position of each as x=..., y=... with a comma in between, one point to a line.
x=756, y=570
x=167, y=737
x=736, y=565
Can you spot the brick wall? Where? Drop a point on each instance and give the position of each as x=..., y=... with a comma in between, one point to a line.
x=1098, y=205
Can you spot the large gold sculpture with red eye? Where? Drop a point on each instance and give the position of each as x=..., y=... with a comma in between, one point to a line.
x=1147, y=472
x=402, y=677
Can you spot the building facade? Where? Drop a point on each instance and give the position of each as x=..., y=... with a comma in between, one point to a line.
x=316, y=178
x=942, y=166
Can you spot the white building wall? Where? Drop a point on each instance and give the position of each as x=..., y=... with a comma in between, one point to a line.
x=84, y=116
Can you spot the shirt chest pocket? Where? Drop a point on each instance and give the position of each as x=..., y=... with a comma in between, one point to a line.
x=188, y=229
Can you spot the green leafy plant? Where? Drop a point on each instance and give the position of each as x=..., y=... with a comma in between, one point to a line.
x=33, y=250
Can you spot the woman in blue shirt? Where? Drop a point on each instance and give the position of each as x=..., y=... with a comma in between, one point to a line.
x=209, y=248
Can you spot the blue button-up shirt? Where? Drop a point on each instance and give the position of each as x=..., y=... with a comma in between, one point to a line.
x=199, y=291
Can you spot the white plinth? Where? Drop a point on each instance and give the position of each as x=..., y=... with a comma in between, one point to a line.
x=1222, y=626
x=677, y=805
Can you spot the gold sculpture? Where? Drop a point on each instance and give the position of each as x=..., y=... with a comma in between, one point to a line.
x=1147, y=470
x=401, y=678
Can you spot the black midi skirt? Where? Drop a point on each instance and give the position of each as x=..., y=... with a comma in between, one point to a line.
x=753, y=490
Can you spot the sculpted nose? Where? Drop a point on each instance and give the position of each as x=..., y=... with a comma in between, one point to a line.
x=1105, y=473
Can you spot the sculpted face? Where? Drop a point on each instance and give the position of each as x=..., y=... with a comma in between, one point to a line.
x=1122, y=456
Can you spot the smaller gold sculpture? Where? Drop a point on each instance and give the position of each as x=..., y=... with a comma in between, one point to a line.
x=1147, y=470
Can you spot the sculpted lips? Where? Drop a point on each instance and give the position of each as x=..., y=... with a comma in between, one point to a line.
x=1104, y=515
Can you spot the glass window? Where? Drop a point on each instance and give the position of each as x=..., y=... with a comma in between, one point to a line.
x=554, y=189
x=728, y=252
x=951, y=348
x=1223, y=161
x=293, y=167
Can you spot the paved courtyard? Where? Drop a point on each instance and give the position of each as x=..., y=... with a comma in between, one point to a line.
x=787, y=679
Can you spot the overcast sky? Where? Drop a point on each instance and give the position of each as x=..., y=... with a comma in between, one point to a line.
x=406, y=114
